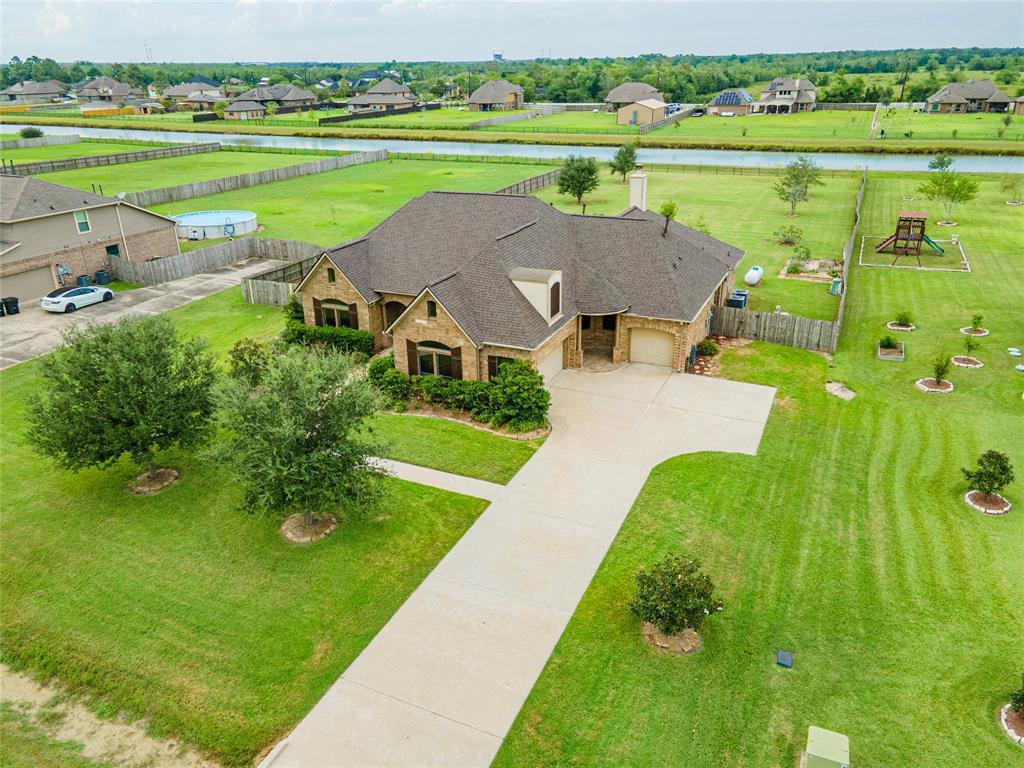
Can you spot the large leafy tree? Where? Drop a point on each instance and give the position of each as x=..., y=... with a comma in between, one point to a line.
x=950, y=189
x=675, y=594
x=136, y=387
x=994, y=472
x=624, y=161
x=297, y=440
x=579, y=176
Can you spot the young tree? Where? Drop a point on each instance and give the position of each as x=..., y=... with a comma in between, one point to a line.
x=624, y=161
x=1017, y=698
x=950, y=189
x=136, y=387
x=674, y=595
x=298, y=441
x=940, y=367
x=248, y=361
x=940, y=163
x=795, y=182
x=579, y=176
x=668, y=210
x=993, y=474
x=1011, y=185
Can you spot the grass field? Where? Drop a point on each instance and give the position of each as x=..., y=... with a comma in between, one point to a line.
x=435, y=118
x=743, y=210
x=823, y=124
x=984, y=126
x=844, y=540
x=168, y=172
x=331, y=207
x=81, y=149
x=569, y=122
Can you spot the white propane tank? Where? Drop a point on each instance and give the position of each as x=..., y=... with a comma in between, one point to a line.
x=753, y=276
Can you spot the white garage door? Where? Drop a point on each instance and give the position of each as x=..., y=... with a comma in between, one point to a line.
x=649, y=346
x=27, y=285
x=551, y=365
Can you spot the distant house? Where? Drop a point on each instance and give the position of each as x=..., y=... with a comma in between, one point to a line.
x=32, y=92
x=329, y=84
x=284, y=94
x=630, y=93
x=50, y=234
x=732, y=100
x=497, y=95
x=183, y=91
x=385, y=95
x=200, y=101
x=244, y=110
x=786, y=94
x=972, y=96
x=148, y=108
x=372, y=76
x=641, y=112
x=108, y=89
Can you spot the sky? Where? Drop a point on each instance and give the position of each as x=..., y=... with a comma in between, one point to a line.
x=469, y=30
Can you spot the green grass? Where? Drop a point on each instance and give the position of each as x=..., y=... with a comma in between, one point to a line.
x=171, y=171
x=743, y=210
x=823, y=124
x=569, y=122
x=972, y=127
x=328, y=208
x=434, y=118
x=844, y=540
x=24, y=745
x=122, y=285
x=453, y=447
x=64, y=151
x=183, y=609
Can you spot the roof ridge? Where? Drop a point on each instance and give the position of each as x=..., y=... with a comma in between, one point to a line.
x=520, y=228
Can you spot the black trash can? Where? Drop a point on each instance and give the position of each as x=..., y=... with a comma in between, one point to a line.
x=83, y=280
x=103, y=276
x=10, y=305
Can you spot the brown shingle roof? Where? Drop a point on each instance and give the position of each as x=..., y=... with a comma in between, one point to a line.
x=494, y=92
x=627, y=93
x=972, y=90
x=387, y=85
x=379, y=98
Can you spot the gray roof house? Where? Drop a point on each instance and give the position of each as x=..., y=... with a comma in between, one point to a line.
x=972, y=96
x=505, y=276
x=183, y=91
x=284, y=94
x=105, y=88
x=786, y=94
x=32, y=92
x=495, y=95
x=629, y=93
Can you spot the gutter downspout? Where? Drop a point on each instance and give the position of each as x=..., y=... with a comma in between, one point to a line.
x=120, y=226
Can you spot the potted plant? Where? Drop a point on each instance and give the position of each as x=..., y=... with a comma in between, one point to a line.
x=903, y=322
x=890, y=349
x=993, y=474
x=937, y=383
x=672, y=600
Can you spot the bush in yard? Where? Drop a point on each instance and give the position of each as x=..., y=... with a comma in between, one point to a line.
x=518, y=398
x=674, y=595
x=976, y=321
x=1017, y=698
x=707, y=348
x=993, y=474
x=30, y=132
x=134, y=387
x=247, y=361
x=395, y=385
x=904, y=318
x=298, y=442
x=794, y=268
x=292, y=308
x=788, y=235
x=379, y=366
x=802, y=252
x=940, y=367
x=887, y=342
x=339, y=339
x=970, y=344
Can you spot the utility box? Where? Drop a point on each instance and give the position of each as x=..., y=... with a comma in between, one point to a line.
x=826, y=749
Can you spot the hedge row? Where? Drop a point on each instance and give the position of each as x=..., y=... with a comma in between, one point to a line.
x=342, y=339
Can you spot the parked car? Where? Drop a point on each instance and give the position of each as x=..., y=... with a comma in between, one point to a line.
x=72, y=297
x=697, y=113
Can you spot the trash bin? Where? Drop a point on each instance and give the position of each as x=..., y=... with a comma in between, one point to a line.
x=10, y=305
x=837, y=287
x=103, y=276
x=83, y=280
x=2, y=310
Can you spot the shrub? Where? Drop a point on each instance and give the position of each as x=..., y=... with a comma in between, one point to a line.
x=794, y=268
x=247, y=362
x=887, y=342
x=940, y=367
x=802, y=252
x=340, y=339
x=674, y=595
x=788, y=235
x=518, y=397
x=395, y=385
x=904, y=318
x=292, y=308
x=976, y=321
x=994, y=473
x=1017, y=698
x=474, y=397
x=30, y=132
x=707, y=348
x=970, y=344
x=379, y=366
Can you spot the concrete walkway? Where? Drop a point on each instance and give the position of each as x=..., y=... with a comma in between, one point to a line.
x=442, y=682
x=467, y=486
x=34, y=332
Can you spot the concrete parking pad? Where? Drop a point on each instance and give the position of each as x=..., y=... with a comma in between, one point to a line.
x=442, y=682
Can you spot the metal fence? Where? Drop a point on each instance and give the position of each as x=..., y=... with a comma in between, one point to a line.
x=501, y=120
x=95, y=161
x=532, y=184
x=40, y=141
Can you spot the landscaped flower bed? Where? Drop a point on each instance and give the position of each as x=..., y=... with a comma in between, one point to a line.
x=990, y=504
x=933, y=387
x=966, y=361
x=893, y=351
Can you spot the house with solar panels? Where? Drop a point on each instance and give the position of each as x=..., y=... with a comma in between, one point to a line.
x=731, y=101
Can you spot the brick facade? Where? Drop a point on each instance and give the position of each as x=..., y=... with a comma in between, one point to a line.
x=566, y=337
x=416, y=326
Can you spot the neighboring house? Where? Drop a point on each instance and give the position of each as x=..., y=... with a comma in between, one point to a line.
x=199, y=101
x=382, y=96
x=630, y=93
x=32, y=92
x=244, y=110
x=972, y=96
x=186, y=91
x=50, y=234
x=641, y=112
x=108, y=89
x=460, y=283
x=732, y=100
x=148, y=108
x=497, y=95
x=284, y=94
x=329, y=84
x=371, y=76
x=786, y=94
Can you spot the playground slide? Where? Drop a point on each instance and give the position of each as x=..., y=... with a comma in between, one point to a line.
x=934, y=246
x=885, y=243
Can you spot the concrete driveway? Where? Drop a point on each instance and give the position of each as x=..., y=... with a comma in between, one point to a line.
x=35, y=332
x=442, y=682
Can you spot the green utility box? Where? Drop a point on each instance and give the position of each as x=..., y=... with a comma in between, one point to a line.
x=826, y=749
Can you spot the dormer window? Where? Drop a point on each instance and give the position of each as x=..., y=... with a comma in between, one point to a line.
x=556, y=299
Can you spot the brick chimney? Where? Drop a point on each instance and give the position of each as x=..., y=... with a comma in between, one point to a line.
x=638, y=189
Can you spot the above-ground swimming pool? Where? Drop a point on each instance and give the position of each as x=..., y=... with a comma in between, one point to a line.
x=205, y=225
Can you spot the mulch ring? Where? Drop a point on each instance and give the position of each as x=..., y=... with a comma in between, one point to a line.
x=1013, y=724
x=933, y=387
x=295, y=530
x=892, y=325
x=687, y=641
x=144, y=485
x=966, y=361
x=990, y=505
x=974, y=331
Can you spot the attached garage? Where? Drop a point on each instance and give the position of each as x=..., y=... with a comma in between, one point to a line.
x=31, y=284
x=550, y=365
x=647, y=345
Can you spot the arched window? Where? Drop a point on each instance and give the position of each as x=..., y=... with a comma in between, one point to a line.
x=338, y=314
x=556, y=299
x=435, y=359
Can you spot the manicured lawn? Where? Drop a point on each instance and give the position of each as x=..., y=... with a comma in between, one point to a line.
x=898, y=122
x=183, y=609
x=823, y=124
x=328, y=208
x=434, y=118
x=844, y=540
x=569, y=122
x=743, y=210
x=453, y=447
x=80, y=149
x=171, y=171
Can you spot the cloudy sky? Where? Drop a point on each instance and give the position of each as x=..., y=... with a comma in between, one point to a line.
x=337, y=30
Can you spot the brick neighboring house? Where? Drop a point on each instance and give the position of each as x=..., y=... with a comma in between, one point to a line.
x=49, y=232
x=785, y=95
x=32, y=92
x=244, y=110
x=972, y=96
x=496, y=96
x=188, y=92
x=630, y=93
x=734, y=100
x=284, y=94
x=383, y=96
x=461, y=282
x=108, y=89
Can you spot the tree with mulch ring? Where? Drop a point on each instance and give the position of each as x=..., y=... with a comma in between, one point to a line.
x=993, y=474
x=1012, y=715
x=975, y=329
x=937, y=383
x=135, y=388
x=903, y=323
x=968, y=360
x=298, y=441
x=673, y=599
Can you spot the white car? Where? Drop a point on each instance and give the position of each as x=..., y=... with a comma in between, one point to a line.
x=72, y=297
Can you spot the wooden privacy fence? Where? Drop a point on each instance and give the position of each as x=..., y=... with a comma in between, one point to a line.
x=95, y=161
x=675, y=117
x=207, y=259
x=275, y=285
x=532, y=184
x=229, y=183
x=40, y=141
x=775, y=327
